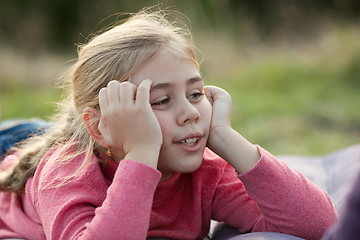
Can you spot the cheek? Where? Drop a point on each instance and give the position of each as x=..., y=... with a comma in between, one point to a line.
x=164, y=121
x=206, y=113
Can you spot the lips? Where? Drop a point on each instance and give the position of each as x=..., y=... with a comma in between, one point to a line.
x=191, y=143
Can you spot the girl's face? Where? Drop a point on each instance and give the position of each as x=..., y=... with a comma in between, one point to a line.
x=183, y=111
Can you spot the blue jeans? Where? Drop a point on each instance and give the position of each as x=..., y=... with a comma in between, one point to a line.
x=14, y=131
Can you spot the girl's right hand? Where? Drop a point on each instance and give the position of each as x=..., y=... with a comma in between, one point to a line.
x=128, y=122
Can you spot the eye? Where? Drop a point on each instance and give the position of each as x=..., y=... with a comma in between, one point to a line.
x=161, y=102
x=195, y=96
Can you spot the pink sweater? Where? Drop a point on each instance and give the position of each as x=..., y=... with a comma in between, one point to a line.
x=125, y=201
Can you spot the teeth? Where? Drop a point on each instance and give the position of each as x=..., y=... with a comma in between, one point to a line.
x=189, y=141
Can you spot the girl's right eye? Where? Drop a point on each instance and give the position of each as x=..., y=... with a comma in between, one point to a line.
x=161, y=102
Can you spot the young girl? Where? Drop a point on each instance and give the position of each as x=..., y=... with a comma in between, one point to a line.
x=143, y=149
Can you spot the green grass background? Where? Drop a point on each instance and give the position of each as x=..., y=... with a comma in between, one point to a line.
x=290, y=97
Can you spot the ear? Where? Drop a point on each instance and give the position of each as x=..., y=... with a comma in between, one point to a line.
x=91, y=118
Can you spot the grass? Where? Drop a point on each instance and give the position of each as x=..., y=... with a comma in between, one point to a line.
x=27, y=101
x=291, y=98
x=294, y=109
x=27, y=84
x=296, y=98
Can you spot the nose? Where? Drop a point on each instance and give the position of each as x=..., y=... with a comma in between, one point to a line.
x=187, y=113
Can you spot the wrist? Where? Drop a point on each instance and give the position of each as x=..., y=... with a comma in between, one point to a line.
x=146, y=154
x=217, y=136
x=234, y=148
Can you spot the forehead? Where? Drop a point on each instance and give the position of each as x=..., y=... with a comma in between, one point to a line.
x=166, y=67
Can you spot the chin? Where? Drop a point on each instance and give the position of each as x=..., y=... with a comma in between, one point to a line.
x=191, y=166
x=180, y=162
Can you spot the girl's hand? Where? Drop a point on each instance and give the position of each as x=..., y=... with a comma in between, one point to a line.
x=223, y=139
x=221, y=112
x=128, y=122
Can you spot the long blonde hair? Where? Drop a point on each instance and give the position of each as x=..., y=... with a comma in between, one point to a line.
x=114, y=54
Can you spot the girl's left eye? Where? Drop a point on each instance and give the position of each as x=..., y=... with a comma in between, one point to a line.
x=195, y=97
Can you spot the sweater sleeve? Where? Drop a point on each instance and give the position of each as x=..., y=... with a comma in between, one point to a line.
x=275, y=198
x=79, y=210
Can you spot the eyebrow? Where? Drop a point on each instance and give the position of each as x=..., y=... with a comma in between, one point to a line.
x=169, y=85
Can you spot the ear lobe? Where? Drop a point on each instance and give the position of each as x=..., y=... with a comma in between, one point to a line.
x=91, y=118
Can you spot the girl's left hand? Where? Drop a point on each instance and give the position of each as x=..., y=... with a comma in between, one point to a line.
x=221, y=111
x=223, y=139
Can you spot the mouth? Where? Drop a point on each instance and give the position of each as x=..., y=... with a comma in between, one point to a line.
x=191, y=143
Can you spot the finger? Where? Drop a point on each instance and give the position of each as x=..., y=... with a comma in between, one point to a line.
x=113, y=92
x=143, y=92
x=127, y=93
x=103, y=100
x=104, y=131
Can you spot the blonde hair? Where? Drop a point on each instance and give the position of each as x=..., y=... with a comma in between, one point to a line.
x=114, y=54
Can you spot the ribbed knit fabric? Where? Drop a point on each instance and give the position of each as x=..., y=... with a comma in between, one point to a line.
x=126, y=201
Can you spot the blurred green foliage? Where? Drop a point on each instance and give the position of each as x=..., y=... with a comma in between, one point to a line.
x=27, y=101
x=294, y=108
x=57, y=24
